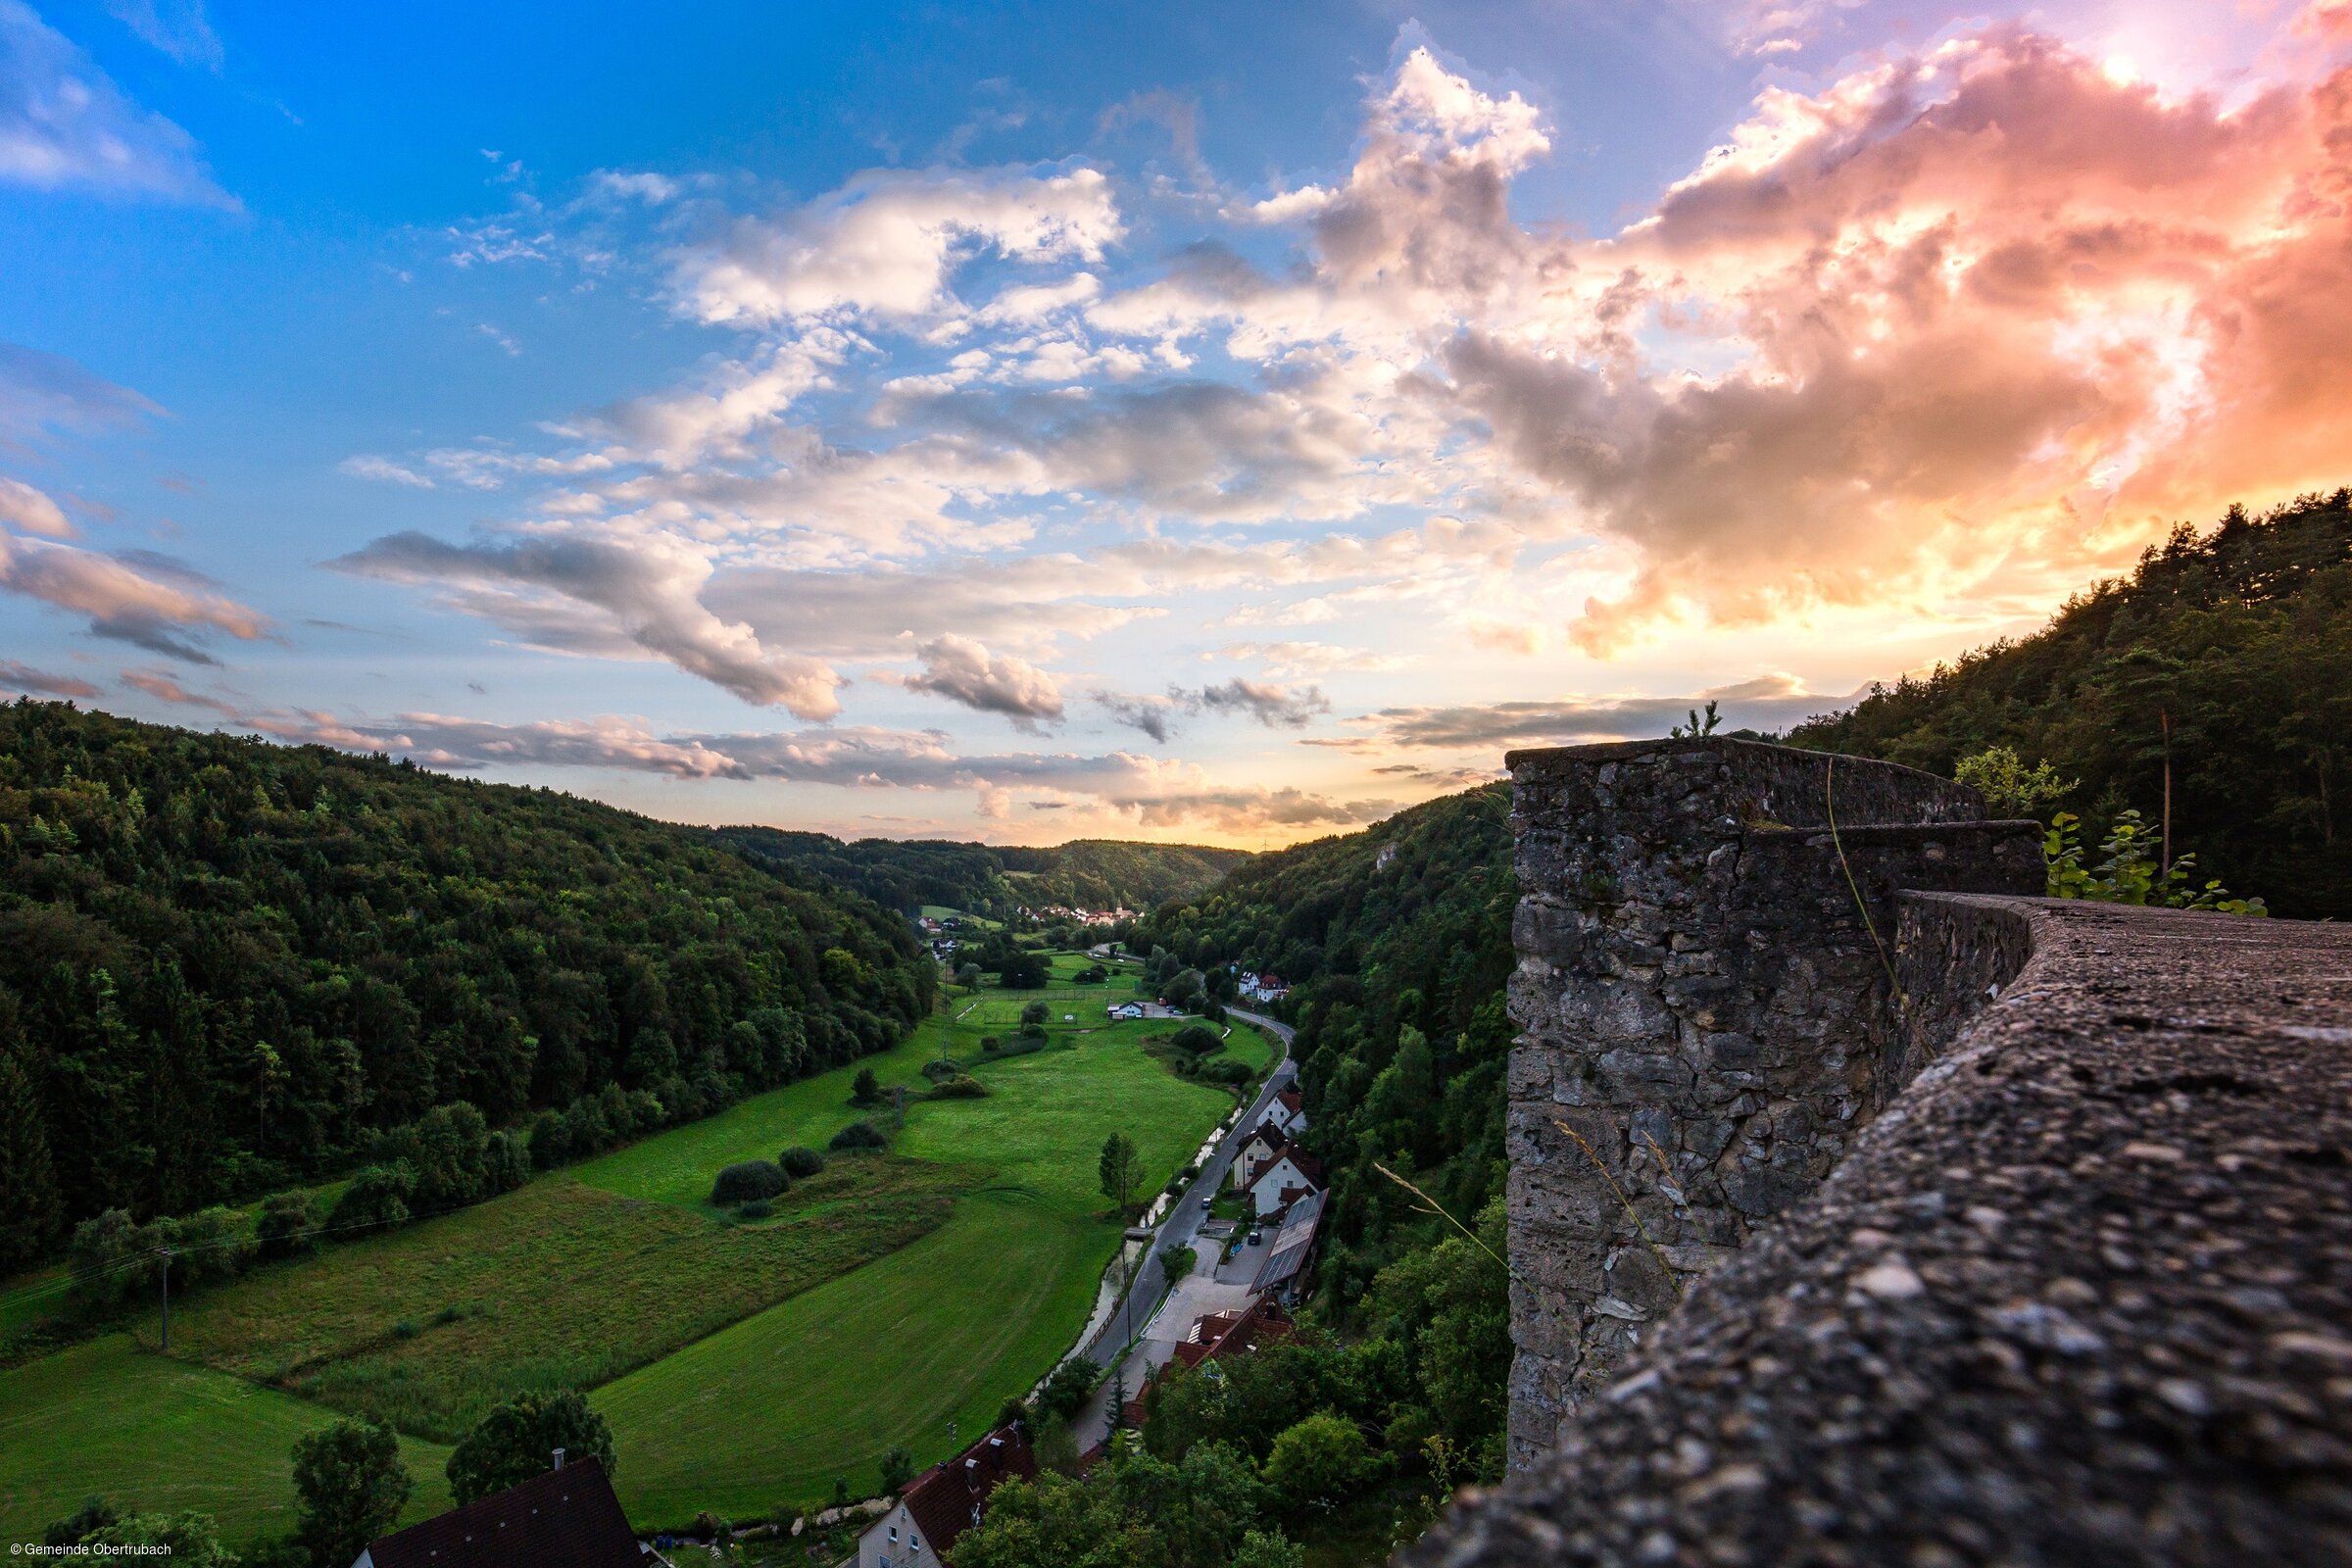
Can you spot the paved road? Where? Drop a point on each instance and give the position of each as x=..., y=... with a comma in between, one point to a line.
x=1181, y=1226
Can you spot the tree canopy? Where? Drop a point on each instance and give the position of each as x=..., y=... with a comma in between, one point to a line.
x=226, y=967
x=2228, y=651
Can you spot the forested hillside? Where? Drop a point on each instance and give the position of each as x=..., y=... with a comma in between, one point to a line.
x=1397, y=942
x=225, y=964
x=908, y=873
x=2241, y=640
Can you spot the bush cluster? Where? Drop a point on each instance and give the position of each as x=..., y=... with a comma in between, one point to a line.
x=857, y=1135
x=749, y=1180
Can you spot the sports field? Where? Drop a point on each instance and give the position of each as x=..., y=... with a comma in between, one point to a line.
x=743, y=1365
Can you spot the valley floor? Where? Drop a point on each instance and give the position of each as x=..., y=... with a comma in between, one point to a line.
x=744, y=1366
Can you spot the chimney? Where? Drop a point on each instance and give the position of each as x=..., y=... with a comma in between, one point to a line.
x=558, y=1459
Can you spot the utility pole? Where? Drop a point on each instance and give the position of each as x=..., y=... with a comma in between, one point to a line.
x=164, y=1253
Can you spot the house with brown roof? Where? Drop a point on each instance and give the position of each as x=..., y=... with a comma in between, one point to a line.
x=944, y=1501
x=566, y=1518
x=1216, y=1333
x=1256, y=1150
x=1288, y=1112
x=1286, y=1175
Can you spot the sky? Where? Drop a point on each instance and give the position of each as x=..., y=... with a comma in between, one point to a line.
x=1222, y=424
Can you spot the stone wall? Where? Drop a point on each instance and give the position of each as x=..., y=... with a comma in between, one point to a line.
x=2037, y=1253
x=1704, y=1014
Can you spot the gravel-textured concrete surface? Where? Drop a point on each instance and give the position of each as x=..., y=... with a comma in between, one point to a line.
x=2080, y=1295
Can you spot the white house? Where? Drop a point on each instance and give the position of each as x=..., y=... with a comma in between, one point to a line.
x=1288, y=1113
x=1127, y=1009
x=1291, y=1174
x=945, y=1501
x=1257, y=1149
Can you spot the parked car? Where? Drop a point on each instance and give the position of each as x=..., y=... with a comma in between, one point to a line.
x=1256, y=1236
x=1208, y=1200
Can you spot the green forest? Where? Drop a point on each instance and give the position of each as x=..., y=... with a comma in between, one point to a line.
x=226, y=967
x=1397, y=942
x=2228, y=653
x=905, y=874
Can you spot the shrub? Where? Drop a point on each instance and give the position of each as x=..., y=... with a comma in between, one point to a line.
x=1034, y=1012
x=858, y=1135
x=757, y=1208
x=865, y=1089
x=941, y=1071
x=1225, y=1070
x=1199, y=1039
x=1066, y=1390
x=960, y=1087
x=800, y=1162
x=748, y=1181
x=1320, y=1461
x=377, y=1197
x=515, y=1441
x=989, y=1043
x=287, y=1226
x=1033, y=1031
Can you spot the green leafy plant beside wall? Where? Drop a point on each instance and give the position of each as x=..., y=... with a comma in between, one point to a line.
x=2130, y=873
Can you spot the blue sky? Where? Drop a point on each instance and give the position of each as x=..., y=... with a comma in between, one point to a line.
x=1217, y=423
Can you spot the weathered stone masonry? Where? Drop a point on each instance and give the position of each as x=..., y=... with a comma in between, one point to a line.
x=2040, y=1255
x=1704, y=1014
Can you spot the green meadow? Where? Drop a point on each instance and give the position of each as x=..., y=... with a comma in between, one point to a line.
x=155, y=1432
x=890, y=1300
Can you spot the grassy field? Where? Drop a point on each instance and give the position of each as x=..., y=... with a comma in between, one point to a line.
x=426, y=1329
x=772, y=1409
x=741, y=1364
x=158, y=1433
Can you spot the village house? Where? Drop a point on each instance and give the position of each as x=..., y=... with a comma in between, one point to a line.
x=939, y=1506
x=1288, y=1113
x=566, y=1518
x=1257, y=1149
x=1289, y=1174
x=1127, y=1009
x=1235, y=1330
x=1268, y=987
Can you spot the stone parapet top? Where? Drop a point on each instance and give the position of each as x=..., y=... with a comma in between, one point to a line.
x=2080, y=1295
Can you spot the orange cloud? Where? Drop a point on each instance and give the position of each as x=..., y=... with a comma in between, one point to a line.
x=1994, y=309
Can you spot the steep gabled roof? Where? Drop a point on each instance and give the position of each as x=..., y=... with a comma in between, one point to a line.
x=949, y=1498
x=1217, y=1333
x=566, y=1518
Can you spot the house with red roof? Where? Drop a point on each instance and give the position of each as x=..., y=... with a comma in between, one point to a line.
x=1227, y=1332
x=939, y=1506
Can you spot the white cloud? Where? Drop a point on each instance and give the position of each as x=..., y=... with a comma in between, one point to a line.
x=134, y=597
x=588, y=592
x=383, y=470
x=179, y=28
x=32, y=510
x=886, y=243
x=966, y=671
x=64, y=124
x=42, y=395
